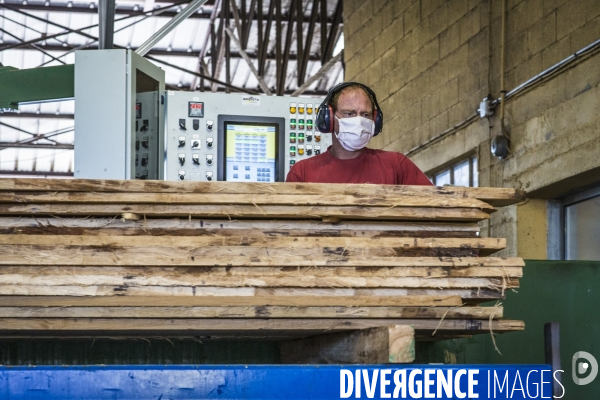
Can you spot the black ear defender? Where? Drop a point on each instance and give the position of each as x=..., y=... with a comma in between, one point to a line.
x=325, y=114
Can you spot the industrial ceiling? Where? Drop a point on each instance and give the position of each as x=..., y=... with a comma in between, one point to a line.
x=197, y=55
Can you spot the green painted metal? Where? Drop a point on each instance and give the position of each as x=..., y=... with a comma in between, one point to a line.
x=564, y=291
x=36, y=84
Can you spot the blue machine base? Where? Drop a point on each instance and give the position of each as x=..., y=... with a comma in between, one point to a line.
x=162, y=382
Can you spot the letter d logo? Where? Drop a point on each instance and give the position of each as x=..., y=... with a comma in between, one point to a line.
x=583, y=367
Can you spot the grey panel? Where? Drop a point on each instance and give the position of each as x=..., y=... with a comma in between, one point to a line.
x=100, y=114
x=108, y=85
x=295, y=140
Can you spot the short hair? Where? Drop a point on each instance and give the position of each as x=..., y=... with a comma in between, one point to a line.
x=333, y=101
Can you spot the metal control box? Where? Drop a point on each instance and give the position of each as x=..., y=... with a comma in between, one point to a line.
x=118, y=116
x=197, y=124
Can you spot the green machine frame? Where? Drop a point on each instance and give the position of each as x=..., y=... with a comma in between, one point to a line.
x=35, y=85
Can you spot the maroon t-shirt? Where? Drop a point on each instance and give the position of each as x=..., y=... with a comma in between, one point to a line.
x=371, y=166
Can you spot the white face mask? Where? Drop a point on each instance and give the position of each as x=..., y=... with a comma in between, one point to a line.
x=354, y=133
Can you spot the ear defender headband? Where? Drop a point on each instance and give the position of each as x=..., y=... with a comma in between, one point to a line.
x=325, y=114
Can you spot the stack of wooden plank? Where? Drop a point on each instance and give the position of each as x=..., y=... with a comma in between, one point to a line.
x=153, y=258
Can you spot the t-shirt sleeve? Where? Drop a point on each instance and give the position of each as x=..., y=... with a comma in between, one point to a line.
x=295, y=174
x=411, y=174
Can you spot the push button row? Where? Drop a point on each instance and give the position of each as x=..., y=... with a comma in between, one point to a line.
x=308, y=149
x=195, y=143
x=195, y=124
x=300, y=137
x=300, y=108
x=301, y=123
x=181, y=158
x=181, y=175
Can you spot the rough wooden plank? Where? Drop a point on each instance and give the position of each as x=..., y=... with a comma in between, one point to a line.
x=205, y=256
x=200, y=227
x=381, y=345
x=230, y=257
x=388, y=246
x=250, y=211
x=178, y=276
x=241, y=325
x=164, y=335
x=493, y=196
x=391, y=200
x=209, y=301
x=197, y=295
x=21, y=285
x=469, y=294
x=251, y=312
x=215, y=256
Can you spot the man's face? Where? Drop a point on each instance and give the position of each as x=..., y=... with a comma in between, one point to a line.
x=353, y=102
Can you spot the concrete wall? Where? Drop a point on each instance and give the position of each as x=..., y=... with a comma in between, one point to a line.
x=432, y=61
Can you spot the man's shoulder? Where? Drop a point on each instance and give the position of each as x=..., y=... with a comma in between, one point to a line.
x=304, y=170
x=387, y=155
x=314, y=160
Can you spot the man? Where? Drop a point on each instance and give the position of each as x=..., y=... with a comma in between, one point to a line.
x=350, y=111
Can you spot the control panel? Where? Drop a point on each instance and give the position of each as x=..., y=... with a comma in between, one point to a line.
x=190, y=139
x=238, y=137
x=303, y=138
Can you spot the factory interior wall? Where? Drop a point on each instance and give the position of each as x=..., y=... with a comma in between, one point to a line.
x=550, y=291
x=429, y=61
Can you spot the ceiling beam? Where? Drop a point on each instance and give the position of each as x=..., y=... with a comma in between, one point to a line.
x=215, y=81
x=309, y=39
x=106, y=20
x=169, y=27
x=286, y=50
x=283, y=48
x=227, y=39
x=60, y=146
x=162, y=52
x=278, y=44
x=202, y=67
x=264, y=36
x=121, y=10
x=332, y=37
x=247, y=24
x=35, y=173
x=36, y=115
x=33, y=46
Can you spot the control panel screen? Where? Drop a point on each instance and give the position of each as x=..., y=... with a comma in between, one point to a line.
x=250, y=152
x=196, y=109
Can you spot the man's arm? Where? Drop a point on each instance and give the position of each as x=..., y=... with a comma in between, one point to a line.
x=411, y=174
x=295, y=174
